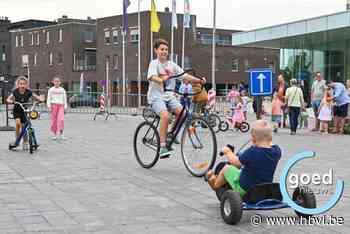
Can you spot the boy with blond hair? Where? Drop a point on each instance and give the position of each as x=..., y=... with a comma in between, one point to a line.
x=258, y=163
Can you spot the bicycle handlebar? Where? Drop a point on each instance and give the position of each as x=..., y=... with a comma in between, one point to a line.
x=179, y=75
x=22, y=105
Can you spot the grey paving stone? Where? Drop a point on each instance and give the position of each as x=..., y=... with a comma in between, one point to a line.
x=91, y=183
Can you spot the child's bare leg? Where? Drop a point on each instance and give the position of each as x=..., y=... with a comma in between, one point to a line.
x=216, y=182
x=18, y=127
x=325, y=127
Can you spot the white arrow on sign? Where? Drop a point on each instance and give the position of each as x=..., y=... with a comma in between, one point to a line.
x=261, y=77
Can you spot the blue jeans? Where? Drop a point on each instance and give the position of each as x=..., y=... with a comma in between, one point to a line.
x=294, y=113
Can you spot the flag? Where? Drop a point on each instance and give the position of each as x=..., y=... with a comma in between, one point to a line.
x=126, y=4
x=187, y=14
x=155, y=23
x=173, y=15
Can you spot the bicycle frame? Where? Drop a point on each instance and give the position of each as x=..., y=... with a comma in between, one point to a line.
x=27, y=128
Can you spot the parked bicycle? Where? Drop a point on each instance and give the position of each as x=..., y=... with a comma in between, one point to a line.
x=27, y=129
x=198, y=140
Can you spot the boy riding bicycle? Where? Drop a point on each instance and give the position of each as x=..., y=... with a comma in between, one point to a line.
x=22, y=95
x=161, y=101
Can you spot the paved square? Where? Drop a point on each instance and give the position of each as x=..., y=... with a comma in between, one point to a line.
x=91, y=183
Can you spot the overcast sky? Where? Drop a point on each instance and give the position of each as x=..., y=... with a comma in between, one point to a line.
x=231, y=14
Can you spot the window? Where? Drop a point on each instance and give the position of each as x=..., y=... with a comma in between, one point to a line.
x=31, y=39
x=35, y=59
x=134, y=35
x=88, y=36
x=235, y=65
x=115, y=61
x=60, y=35
x=115, y=36
x=47, y=37
x=22, y=38
x=107, y=37
x=60, y=58
x=246, y=65
x=16, y=41
x=25, y=60
x=38, y=38
x=50, y=59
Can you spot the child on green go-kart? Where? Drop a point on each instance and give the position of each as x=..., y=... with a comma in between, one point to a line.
x=257, y=163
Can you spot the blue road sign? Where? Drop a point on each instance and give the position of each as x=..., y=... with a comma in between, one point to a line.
x=260, y=82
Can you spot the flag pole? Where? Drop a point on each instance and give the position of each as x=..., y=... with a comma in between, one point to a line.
x=172, y=32
x=124, y=68
x=183, y=39
x=139, y=55
x=213, y=47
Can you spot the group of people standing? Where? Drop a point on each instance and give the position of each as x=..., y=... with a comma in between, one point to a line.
x=329, y=100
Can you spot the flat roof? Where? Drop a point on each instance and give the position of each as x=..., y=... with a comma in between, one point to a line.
x=270, y=36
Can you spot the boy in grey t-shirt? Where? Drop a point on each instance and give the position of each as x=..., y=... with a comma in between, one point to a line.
x=159, y=72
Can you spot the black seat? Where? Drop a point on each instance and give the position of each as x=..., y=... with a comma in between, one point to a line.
x=263, y=191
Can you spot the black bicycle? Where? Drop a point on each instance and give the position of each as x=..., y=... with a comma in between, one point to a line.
x=198, y=141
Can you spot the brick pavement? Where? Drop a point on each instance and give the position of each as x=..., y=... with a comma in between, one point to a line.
x=91, y=183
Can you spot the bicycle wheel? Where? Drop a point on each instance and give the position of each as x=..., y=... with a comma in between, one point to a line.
x=214, y=121
x=198, y=147
x=146, y=145
x=224, y=126
x=244, y=127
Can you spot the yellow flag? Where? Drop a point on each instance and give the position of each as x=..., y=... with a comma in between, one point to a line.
x=155, y=23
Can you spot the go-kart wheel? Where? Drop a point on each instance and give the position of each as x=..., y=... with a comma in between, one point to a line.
x=244, y=127
x=304, y=197
x=223, y=126
x=231, y=207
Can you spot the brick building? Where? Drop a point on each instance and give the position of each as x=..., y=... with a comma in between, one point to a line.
x=71, y=47
x=66, y=48
x=232, y=62
x=5, y=39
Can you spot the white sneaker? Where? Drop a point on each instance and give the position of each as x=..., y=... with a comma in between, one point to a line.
x=54, y=137
x=62, y=137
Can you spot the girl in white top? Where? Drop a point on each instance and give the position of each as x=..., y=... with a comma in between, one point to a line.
x=57, y=103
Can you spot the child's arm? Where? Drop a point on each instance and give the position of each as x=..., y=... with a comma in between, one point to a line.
x=65, y=99
x=232, y=157
x=48, y=100
x=39, y=98
x=10, y=99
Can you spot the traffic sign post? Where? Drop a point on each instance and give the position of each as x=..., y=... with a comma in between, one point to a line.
x=260, y=82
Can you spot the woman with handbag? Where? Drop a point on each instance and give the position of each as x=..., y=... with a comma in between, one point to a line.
x=295, y=102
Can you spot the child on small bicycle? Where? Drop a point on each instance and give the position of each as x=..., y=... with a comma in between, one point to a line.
x=21, y=94
x=238, y=116
x=160, y=71
x=257, y=163
x=57, y=103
